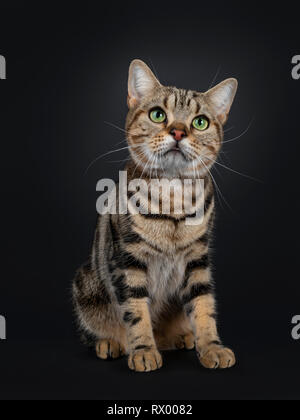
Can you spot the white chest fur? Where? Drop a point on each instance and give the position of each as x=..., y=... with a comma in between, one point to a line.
x=165, y=275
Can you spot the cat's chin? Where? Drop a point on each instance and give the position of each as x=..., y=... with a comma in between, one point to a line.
x=185, y=169
x=174, y=158
x=173, y=163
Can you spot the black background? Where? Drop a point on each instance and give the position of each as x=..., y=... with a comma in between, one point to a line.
x=66, y=75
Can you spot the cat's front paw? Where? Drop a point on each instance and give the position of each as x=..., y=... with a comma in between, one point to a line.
x=185, y=342
x=108, y=349
x=145, y=360
x=217, y=356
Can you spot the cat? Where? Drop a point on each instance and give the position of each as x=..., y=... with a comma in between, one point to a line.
x=147, y=285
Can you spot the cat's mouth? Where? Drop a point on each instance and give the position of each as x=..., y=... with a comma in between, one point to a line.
x=175, y=150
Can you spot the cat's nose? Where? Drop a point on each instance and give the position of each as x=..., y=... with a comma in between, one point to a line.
x=178, y=134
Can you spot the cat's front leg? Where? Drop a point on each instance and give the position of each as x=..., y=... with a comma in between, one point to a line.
x=199, y=302
x=143, y=355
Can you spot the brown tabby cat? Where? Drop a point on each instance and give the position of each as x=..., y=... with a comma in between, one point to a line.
x=147, y=285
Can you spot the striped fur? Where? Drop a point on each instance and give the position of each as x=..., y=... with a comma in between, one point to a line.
x=147, y=285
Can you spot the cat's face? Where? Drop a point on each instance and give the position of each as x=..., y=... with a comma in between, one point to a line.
x=175, y=132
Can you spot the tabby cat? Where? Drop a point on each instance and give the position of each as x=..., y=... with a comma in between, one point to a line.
x=147, y=285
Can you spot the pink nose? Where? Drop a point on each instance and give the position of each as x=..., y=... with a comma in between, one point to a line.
x=178, y=134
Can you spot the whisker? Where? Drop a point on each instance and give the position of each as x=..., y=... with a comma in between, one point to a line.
x=243, y=133
x=220, y=195
x=153, y=166
x=228, y=129
x=106, y=154
x=234, y=171
x=139, y=163
x=217, y=188
x=122, y=141
x=157, y=166
x=117, y=127
x=151, y=157
x=161, y=164
x=119, y=161
x=194, y=170
x=215, y=78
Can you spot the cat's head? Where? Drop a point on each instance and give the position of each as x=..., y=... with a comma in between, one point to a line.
x=172, y=131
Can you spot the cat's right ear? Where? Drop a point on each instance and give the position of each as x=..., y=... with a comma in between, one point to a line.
x=141, y=82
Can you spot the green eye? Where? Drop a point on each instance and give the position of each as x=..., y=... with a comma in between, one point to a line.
x=158, y=115
x=201, y=123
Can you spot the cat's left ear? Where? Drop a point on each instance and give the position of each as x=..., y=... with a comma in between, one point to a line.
x=141, y=82
x=221, y=98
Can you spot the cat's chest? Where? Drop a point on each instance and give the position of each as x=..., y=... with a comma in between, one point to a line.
x=168, y=236
x=165, y=275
